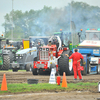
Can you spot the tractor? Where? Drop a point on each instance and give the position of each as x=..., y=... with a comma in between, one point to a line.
x=13, y=46
x=24, y=59
x=53, y=55
x=4, y=54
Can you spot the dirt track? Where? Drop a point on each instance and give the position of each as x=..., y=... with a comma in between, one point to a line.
x=21, y=77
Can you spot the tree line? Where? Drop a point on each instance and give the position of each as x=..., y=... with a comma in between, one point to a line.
x=48, y=20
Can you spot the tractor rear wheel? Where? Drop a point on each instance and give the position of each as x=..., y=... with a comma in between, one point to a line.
x=63, y=64
x=6, y=62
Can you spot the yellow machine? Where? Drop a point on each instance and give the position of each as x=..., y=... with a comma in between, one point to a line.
x=26, y=44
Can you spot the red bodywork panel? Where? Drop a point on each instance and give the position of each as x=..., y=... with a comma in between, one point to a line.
x=52, y=46
x=38, y=62
x=45, y=65
x=60, y=52
x=65, y=48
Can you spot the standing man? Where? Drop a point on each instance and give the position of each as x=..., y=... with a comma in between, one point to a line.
x=76, y=60
x=49, y=44
x=39, y=44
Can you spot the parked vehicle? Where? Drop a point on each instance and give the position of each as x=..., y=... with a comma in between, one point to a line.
x=4, y=54
x=90, y=49
x=24, y=59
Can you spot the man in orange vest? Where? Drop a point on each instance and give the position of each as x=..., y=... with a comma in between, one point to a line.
x=76, y=61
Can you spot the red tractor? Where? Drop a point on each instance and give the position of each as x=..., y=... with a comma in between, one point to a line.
x=53, y=56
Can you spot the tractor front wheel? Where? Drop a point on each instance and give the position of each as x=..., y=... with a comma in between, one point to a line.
x=28, y=67
x=34, y=71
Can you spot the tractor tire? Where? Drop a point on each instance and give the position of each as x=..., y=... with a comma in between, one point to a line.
x=87, y=66
x=34, y=71
x=15, y=70
x=84, y=71
x=98, y=70
x=32, y=81
x=11, y=57
x=6, y=62
x=89, y=69
x=63, y=64
x=28, y=67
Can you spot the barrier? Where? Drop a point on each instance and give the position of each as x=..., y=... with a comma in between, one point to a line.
x=52, y=77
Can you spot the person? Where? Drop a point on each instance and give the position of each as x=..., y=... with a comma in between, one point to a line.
x=49, y=44
x=76, y=61
x=56, y=42
x=39, y=44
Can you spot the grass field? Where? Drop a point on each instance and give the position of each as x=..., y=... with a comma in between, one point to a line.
x=44, y=87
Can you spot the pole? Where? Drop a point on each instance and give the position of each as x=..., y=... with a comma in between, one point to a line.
x=12, y=19
x=71, y=22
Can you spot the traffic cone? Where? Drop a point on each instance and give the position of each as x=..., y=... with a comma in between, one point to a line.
x=52, y=79
x=4, y=84
x=64, y=82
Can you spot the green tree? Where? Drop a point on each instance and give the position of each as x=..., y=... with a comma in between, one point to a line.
x=48, y=20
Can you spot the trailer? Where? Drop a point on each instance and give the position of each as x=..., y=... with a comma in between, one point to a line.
x=90, y=49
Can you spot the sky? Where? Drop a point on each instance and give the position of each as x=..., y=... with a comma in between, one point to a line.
x=27, y=5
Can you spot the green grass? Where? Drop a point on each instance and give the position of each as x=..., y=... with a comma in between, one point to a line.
x=44, y=87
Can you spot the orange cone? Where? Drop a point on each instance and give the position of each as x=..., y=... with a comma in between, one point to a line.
x=64, y=82
x=4, y=84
